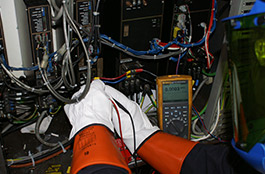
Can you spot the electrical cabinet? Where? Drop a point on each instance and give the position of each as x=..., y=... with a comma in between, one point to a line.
x=134, y=24
x=2, y=40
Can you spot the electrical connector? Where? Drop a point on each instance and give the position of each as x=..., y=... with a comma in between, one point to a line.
x=60, y=53
x=147, y=89
x=183, y=8
x=44, y=61
x=137, y=85
x=203, y=25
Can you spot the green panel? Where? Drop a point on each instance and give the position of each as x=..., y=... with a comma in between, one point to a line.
x=247, y=63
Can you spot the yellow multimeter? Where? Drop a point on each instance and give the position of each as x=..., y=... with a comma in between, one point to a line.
x=174, y=98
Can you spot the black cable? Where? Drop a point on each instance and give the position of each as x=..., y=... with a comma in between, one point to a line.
x=54, y=150
x=18, y=88
x=37, y=132
x=148, y=81
x=52, y=81
x=19, y=94
x=134, y=137
x=88, y=34
x=148, y=72
x=25, y=102
x=15, y=127
x=13, y=88
x=19, y=98
x=17, y=117
x=48, y=153
x=97, y=42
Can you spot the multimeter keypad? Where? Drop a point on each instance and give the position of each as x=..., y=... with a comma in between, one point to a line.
x=176, y=119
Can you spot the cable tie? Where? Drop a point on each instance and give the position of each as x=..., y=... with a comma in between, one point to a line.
x=55, y=135
x=32, y=89
x=98, y=26
x=67, y=48
x=126, y=49
x=46, y=83
x=62, y=146
x=155, y=56
x=95, y=13
x=113, y=45
x=32, y=159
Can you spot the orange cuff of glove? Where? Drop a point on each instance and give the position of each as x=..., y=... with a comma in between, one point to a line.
x=165, y=152
x=96, y=145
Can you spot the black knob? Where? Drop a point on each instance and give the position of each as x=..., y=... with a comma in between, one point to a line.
x=175, y=127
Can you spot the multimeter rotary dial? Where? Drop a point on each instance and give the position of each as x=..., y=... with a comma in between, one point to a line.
x=175, y=127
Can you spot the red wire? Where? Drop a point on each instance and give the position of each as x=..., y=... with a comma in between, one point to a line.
x=123, y=144
x=212, y=61
x=209, y=28
x=139, y=70
x=114, y=78
x=40, y=160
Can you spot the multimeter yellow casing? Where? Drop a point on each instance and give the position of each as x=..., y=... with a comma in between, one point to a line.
x=174, y=103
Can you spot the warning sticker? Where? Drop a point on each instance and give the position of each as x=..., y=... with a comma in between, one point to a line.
x=54, y=169
x=87, y=138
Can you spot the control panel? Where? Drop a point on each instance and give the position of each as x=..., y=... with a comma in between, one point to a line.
x=40, y=30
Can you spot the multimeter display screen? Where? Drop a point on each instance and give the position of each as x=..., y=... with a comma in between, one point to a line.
x=175, y=91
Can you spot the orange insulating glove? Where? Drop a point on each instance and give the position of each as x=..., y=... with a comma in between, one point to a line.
x=165, y=152
x=96, y=145
x=92, y=129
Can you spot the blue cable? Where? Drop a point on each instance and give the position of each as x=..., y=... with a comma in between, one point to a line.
x=50, y=69
x=115, y=43
x=17, y=69
x=155, y=48
x=180, y=57
x=197, y=82
x=52, y=54
x=43, y=12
